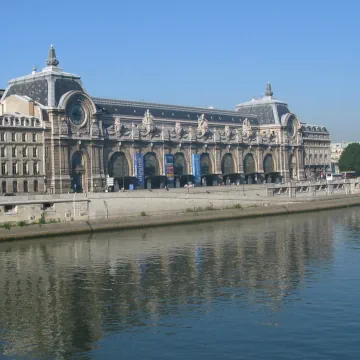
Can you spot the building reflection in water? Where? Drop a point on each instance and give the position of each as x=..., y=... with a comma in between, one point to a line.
x=60, y=296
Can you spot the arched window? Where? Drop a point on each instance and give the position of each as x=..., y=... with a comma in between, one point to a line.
x=249, y=164
x=179, y=164
x=205, y=164
x=151, y=165
x=269, y=166
x=227, y=164
x=118, y=165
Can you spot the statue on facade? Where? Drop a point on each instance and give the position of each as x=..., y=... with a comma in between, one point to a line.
x=247, y=130
x=148, y=123
x=191, y=133
x=95, y=131
x=178, y=130
x=64, y=126
x=239, y=137
x=117, y=126
x=135, y=133
x=117, y=129
x=227, y=134
x=203, y=126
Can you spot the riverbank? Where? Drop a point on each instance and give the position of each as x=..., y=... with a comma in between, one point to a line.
x=194, y=216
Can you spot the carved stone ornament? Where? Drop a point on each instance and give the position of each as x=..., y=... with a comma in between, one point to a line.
x=64, y=126
x=268, y=136
x=95, y=131
x=178, y=130
x=217, y=135
x=148, y=123
x=239, y=137
x=135, y=133
x=117, y=126
x=203, y=127
x=165, y=133
x=246, y=129
x=227, y=134
x=191, y=134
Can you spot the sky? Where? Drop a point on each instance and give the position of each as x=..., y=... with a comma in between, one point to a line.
x=198, y=53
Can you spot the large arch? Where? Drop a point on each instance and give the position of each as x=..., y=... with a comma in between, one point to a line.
x=151, y=164
x=249, y=164
x=118, y=165
x=205, y=164
x=179, y=164
x=271, y=175
x=118, y=168
x=78, y=172
x=269, y=164
x=227, y=164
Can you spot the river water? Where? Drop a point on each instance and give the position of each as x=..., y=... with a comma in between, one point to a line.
x=270, y=288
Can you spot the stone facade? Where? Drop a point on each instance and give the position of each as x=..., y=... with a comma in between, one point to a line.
x=81, y=140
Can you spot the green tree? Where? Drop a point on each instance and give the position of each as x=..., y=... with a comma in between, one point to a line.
x=350, y=158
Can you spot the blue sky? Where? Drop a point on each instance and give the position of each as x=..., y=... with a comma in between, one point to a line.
x=201, y=53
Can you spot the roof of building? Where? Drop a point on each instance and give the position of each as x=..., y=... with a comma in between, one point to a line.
x=51, y=83
x=36, y=85
x=267, y=109
x=136, y=108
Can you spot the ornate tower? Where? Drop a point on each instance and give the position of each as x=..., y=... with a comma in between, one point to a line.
x=268, y=91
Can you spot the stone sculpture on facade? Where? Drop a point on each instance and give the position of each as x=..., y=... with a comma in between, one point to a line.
x=95, y=131
x=117, y=126
x=191, y=134
x=64, y=126
x=227, y=134
x=165, y=133
x=203, y=127
x=148, y=123
x=247, y=131
x=178, y=130
x=135, y=133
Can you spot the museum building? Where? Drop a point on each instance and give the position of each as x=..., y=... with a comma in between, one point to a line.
x=56, y=138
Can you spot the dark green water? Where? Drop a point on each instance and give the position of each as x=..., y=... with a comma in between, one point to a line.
x=271, y=288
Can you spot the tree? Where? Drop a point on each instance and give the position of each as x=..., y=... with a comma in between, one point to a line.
x=350, y=158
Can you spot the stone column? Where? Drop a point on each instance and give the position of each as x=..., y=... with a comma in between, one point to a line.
x=260, y=169
x=217, y=160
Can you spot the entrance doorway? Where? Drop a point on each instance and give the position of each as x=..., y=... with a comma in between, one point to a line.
x=78, y=180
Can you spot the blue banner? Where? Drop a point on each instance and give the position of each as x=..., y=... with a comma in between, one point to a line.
x=196, y=170
x=169, y=168
x=139, y=169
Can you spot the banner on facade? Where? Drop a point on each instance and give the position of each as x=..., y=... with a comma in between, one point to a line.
x=139, y=169
x=169, y=168
x=196, y=170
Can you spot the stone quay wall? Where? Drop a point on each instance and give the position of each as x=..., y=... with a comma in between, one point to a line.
x=120, y=205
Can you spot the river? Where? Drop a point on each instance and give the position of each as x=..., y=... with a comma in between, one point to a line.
x=271, y=288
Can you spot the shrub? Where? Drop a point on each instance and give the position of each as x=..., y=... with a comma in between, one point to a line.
x=42, y=219
x=7, y=226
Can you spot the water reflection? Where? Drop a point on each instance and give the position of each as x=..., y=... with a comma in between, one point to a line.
x=58, y=297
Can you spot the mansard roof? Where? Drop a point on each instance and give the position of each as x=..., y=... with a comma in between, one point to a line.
x=175, y=112
x=267, y=109
x=47, y=86
x=314, y=128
